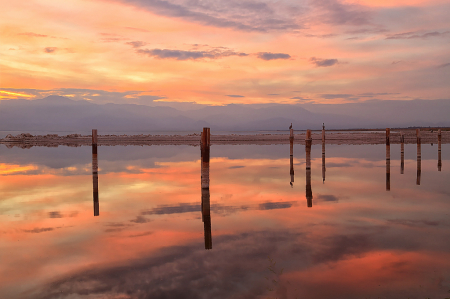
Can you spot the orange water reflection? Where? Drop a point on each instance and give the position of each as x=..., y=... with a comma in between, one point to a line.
x=356, y=241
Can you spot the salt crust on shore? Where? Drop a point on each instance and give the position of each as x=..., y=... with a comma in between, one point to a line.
x=26, y=140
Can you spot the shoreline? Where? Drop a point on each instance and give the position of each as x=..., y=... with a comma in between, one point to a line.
x=26, y=140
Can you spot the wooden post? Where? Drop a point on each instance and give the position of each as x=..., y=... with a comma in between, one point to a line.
x=388, y=165
x=439, y=150
x=205, y=152
x=402, y=153
x=308, y=135
x=308, y=143
x=418, y=135
x=94, y=141
x=323, y=132
x=388, y=136
x=95, y=180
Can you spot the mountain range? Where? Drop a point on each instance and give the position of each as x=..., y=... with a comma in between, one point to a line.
x=57, y=113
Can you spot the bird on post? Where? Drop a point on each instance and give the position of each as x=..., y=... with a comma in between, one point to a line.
x=290, y=127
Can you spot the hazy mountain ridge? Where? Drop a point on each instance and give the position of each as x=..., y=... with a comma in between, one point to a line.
x=63, y=114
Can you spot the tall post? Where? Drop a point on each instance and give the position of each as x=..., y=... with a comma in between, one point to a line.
x=388, y=136
x=439, y=150
x=94, y=141
x=418, y=136
x=323, y=132
x=402, y=153
x=419, y=157
x=323, y=153
x=308, y=142
x=95, y=173
x=291, y=151
x=206, y=208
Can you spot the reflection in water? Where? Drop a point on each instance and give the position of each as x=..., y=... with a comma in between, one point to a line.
x=291, y=150
x=323, y=153
x=95, y=173
x=388, y=160
x=439, y=150
x=308, y=142
x=419, y=157
x=351, y=253
x=206, y=207
x=402, y=153
x=388, y=167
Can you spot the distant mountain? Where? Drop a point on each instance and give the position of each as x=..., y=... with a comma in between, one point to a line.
x=56, y=113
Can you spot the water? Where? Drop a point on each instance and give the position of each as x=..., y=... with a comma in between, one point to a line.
x=358, y=240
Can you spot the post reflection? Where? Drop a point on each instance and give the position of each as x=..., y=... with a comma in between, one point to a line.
x=95, y=173
x=439, y=150
x=323, y=153
x=388, y=160
x=402, y=153
x=206, y=207
x=308, y=142
x=291, y=151
x=419, y=157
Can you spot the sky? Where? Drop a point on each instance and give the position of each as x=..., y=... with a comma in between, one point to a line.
x=222, y=52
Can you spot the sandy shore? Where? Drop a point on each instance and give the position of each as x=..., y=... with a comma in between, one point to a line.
x=26, y=140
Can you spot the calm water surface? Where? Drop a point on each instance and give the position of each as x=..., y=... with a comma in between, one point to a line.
x=355, y=240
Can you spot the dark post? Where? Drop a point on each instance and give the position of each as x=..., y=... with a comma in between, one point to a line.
x=308, y=143
x=418, y=136
x=94, y=141
x=206, y=209
x=323, y=132
x=388, y=135
x=439, y=150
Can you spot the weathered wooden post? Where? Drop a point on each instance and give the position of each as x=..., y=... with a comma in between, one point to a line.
x=388, y=160
x=291, y=151
x=418, y=136
x=308, y=143
x=439, y=150
x=419, y=157
x=95, y=173
x=205, y=151
x=402, y=153
x=206, y=214
x=323, y=132
x=94, y=141
x=323, y=153
x=388, y=136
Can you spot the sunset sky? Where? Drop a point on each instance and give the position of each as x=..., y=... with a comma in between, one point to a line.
x=221, y=52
